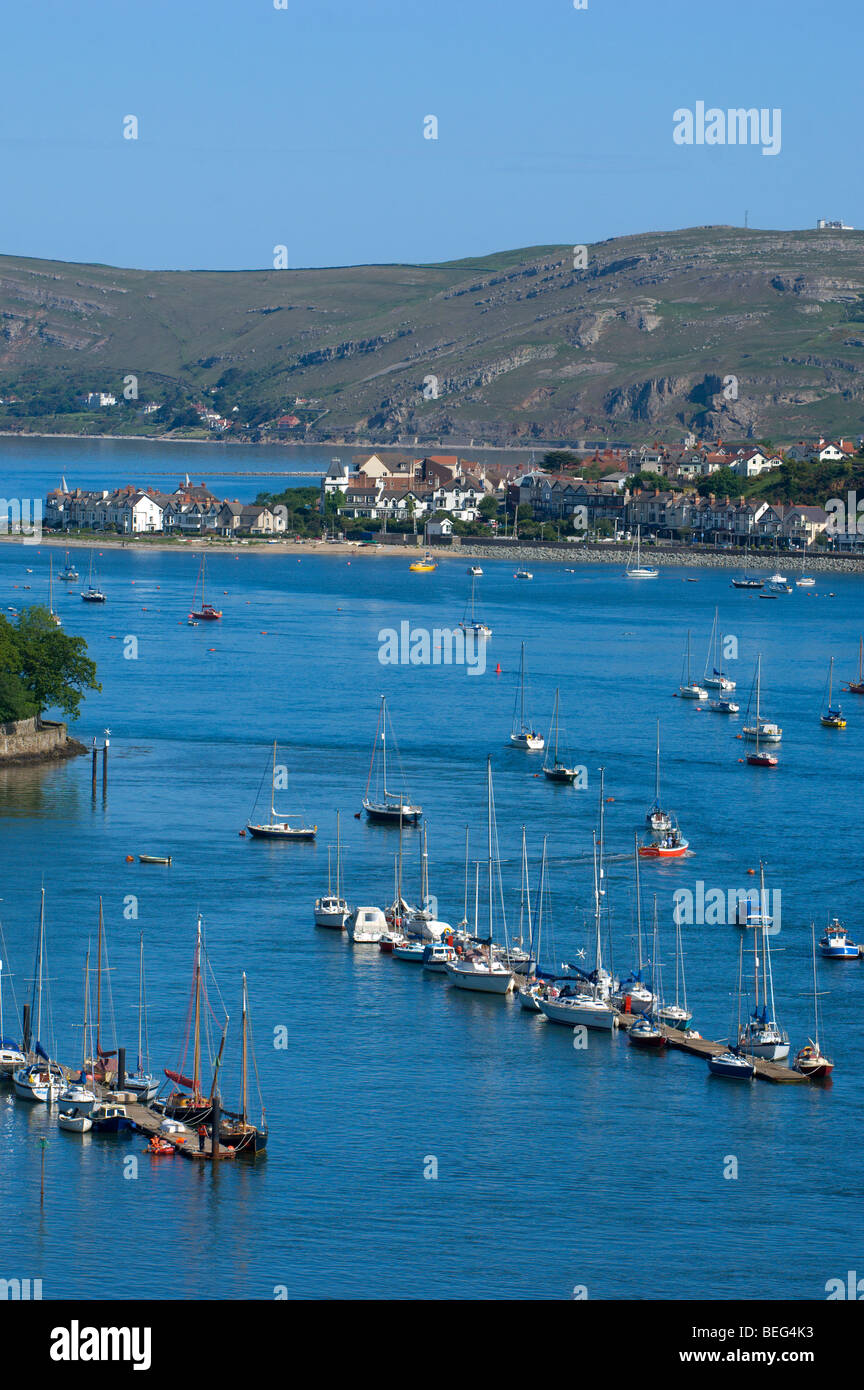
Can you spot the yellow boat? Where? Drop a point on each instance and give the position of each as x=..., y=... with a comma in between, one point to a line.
x=425, y=565
x=832, y=717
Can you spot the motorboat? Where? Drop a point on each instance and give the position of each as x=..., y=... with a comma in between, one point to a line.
x=367, y=925
x=732, y=1066
x=836, y=944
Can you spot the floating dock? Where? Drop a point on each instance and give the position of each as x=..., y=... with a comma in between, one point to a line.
x=704, y=1047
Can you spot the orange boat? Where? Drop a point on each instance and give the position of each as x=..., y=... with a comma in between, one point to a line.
x=671, y=846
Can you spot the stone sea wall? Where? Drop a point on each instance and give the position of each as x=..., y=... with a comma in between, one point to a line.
x=788, y=563
x=36, y=740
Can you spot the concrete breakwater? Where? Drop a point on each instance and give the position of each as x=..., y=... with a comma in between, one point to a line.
x=36, y=740
x=683, y=557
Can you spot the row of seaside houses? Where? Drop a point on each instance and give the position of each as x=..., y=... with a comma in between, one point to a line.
x=190, y=510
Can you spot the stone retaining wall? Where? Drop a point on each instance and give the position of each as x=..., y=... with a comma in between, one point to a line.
x=35, y=740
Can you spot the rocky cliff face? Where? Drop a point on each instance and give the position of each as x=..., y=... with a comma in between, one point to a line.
x=521, y=345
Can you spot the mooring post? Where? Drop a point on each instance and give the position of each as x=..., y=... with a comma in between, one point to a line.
x=44, y=1143
x=121, y=1069
x=215, y=1119
x=93, y=785
x=105, y=764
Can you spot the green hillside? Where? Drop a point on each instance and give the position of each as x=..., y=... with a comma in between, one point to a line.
x=515, y=347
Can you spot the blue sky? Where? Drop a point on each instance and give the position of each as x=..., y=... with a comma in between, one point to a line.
x=304, y=126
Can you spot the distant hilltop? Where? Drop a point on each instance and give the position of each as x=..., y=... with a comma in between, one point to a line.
x=723, y=331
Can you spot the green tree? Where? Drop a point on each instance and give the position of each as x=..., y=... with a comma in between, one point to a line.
x=723, y=483
x=488, y=507
x=556, y=460
x=53, y=666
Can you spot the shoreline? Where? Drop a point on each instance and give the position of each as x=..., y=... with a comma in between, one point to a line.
x=569, y=556
x=361, y=445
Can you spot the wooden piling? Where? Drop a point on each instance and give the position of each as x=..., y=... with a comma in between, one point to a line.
x=93, y=780
x=105, y=767
x=215, y=1121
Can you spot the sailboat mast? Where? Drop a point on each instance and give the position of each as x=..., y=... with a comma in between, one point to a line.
x=598, y=881
x=140, y=1002
x=273, y=785
x=657, y=769
x=86, y=1001
x=99, y=985
x=522, y=690
x=638, y=902
x=489, y=840
x=37, y=983
x=196, y=1054
x=556, y=727
x=465, y=905
x=384, y=745
x=243, y=1091
x=338, y=852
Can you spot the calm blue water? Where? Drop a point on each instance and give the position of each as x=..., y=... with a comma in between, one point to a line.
x=548, y=1158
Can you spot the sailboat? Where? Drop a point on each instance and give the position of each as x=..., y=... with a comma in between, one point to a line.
x=69, y=574
x=141, y=1081
x=856, y=687
x=390, y=807
x=761, y=730
x=55, y=617
x=832, y=715
x=734, y=1064
x=78, y=1096
x=332, y=910
x=187, y=1101
x=656, y=818
x=473, y=624
x=481, y=970
x=236, y=1131
x=92, y=594
x=639, y=571
x=690, y=689
x=587, y=1001
x=206, y=613
x=633, y=995
x=39, y=1079
x=677, y=1015
x=746, y=580
x=11, y=1056
x=761, y=1036
x=647, y=1030
x=274, y=829
x=805, y=581
x=810, y=1059
x=523, y=733
x=723, y=705
x=101, y=1061
x=556, y=770
x=716, y=679
x=531, y=987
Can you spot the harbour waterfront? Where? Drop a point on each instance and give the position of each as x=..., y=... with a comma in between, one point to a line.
x=546, y=1155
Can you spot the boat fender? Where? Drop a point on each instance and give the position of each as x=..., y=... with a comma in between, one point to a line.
x=628, y=1004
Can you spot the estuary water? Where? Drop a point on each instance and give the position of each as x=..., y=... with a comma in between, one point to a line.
x=629, y=1175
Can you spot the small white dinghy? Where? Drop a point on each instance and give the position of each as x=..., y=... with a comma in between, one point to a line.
x=74, y=1121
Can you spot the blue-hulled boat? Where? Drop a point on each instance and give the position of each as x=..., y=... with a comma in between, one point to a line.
x=835, y=943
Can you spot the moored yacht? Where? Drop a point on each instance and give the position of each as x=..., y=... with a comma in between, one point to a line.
x=331, y=909
x=480, y=969
x=690, y=689
x=836, y=944
x=523, y=733
x=380, y=804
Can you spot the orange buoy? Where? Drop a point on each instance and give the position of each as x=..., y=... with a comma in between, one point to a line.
x=610, y=798
x=130, y=858
x=498, y=669
x=211, y=649
x=751, y=871
x=242, y=834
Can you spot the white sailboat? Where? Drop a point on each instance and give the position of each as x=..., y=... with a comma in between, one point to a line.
x=39, y=1079
x=331, y=909
x=473, y=623
x=760, y=730
x=557, y=769
x=275, y=828
x=588, y=1001
x=55, y=617
x=393, y=808
x=92, y=594
x=690, y=689
x=762, y=1036
x=530, y=987
x=639, y=571
x=677, y=1015
x=523, y=733
x=78, y=1097
x=633, y=994
x=658, y=820
x=480, y=970
x=141, y=1081
x=715, y=678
